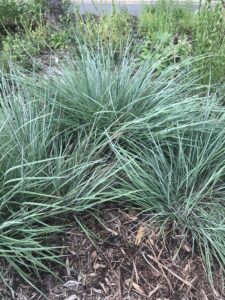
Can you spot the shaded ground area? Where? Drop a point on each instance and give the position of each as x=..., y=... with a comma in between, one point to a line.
x=128, y=261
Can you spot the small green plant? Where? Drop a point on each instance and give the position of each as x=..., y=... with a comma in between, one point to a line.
x=56, y=8
x=165, y=47
x=14, y=13
x=111, y=29
x=59, y=40
x=63, y=36
x=199, y=34
x=114, y=28
x=23, y=48
x=165, y=16
x=208, y=39
x=164, y=30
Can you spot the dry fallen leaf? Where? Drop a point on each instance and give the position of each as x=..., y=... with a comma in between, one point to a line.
x=127, y=281
x=187, y=248
x=24, y=286
x=138, y=288
x=107, y=281
x=68, y=266
x=187, y=267
x=154, y=291
x=204, y=295
x=99, y=266
x=103, y=287
x=72, y=297
x=94, y=254
x=92, y=274
x=140, y=235
x=71, y=283
x=97, y=291
x=112, y=231
x=132, y=214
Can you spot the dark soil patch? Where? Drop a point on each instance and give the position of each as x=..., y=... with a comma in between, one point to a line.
x=128, y=261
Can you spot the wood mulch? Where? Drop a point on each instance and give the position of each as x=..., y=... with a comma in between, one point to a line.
x=121, y=258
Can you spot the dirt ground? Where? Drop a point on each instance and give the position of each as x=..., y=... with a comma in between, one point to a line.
x=122, y=259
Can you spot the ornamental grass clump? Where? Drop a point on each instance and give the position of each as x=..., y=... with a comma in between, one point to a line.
x=180, y=183
x=96, y=132
x=93, y=90
x=46, y=176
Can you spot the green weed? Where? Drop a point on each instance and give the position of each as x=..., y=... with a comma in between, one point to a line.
x=111, y=29
x=22, y=49
x=182, y=32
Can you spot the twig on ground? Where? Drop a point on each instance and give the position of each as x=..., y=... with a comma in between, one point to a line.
x=171, y=272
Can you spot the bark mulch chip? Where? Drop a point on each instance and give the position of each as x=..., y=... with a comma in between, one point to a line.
x=126, y=259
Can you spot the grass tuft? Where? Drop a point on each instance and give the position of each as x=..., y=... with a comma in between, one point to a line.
x=180, y=182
